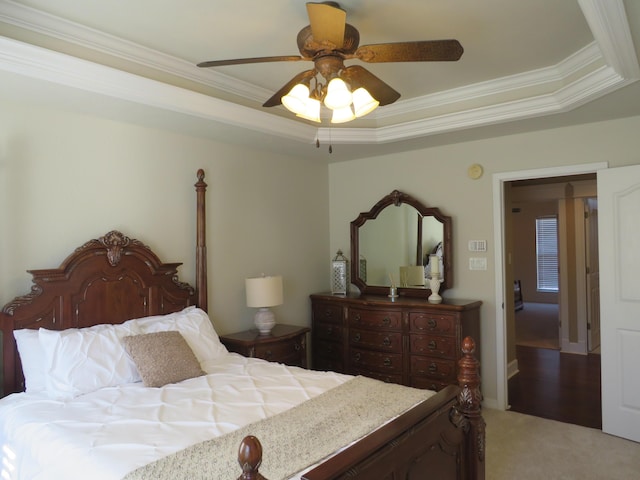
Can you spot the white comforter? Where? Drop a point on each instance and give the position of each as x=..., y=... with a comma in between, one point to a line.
x=105, y=434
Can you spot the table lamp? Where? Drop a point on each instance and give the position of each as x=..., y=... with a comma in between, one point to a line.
x=264, y=292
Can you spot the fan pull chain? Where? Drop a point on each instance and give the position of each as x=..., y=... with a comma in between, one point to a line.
x=330, y=146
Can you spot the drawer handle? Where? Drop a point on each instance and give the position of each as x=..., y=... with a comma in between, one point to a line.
x=268, y=353
x=386, y=321
x=357, y=356
x=357, y=337
x=432, y=323
x=329, y=330
x=386, y=342
x=328, y=313
x=433, y=368
x=433, y=345
x=387, y=362
x=297, y=347
x=357, y=317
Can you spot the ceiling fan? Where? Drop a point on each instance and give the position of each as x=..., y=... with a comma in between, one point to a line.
x=328, y=41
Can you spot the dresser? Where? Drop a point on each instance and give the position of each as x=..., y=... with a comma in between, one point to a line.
x=404, y=340
x=286, y=344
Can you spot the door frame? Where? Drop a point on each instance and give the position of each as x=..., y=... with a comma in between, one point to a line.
x=501, y=289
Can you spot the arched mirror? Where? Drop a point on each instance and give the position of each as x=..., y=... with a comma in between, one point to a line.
x=400, y=240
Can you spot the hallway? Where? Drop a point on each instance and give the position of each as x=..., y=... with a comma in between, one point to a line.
x=559, y=386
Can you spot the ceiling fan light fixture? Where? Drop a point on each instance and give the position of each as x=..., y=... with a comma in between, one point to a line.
x=363, y=102
x=296, y=100
x=342, y=115
x=338, y=94
x=312, y=110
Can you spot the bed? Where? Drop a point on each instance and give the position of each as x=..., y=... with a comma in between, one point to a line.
x=82, y=399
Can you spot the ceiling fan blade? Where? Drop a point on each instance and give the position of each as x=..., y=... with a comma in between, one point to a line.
x=276, y=98
x=422, y=51
x=327, y=23
x=361, y=77
x=241, y=61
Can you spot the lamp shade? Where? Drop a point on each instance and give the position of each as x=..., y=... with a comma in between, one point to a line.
x=296, y=100
x=363, y=102
x=342, y=115
x=312, y=110
x=338, y=94
x=264, y=291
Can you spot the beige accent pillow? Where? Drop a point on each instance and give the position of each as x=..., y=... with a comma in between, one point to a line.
x=162, y=358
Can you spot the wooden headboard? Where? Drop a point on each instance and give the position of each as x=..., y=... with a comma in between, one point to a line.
x=110, y=279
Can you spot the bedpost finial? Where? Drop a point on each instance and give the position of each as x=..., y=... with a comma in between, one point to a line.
x=200, y=174
x=250, y=458
x=468, y=346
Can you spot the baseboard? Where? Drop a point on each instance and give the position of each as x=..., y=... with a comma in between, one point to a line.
x=490, y=403
x=579, y=348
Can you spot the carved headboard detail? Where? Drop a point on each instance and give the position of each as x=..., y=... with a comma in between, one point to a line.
x=110, y=279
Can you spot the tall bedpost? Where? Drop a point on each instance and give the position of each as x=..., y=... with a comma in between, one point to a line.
x=201, y=243
x=250, y=458
x=470, y=401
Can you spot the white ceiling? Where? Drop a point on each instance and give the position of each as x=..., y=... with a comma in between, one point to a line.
x=527, y=64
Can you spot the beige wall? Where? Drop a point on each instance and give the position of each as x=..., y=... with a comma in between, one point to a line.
x=438, y=177
x=67, y=178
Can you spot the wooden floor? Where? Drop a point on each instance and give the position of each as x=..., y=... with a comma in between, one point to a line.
x=559, y=386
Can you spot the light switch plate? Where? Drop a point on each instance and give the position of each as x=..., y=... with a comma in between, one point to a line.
x=477, y=245
x=477, y=263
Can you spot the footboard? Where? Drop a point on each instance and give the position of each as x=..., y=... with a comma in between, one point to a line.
x=442, y=437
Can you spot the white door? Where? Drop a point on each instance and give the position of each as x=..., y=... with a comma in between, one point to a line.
x=619, y=242
x=593, y=273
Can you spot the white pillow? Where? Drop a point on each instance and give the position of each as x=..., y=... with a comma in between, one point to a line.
x=83, y=360
x=194, y=325
x=32, y=359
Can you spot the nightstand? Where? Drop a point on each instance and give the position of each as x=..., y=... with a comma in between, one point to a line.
x=286, y=344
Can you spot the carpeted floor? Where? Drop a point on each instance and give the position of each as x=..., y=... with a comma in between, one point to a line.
x=530, y=448
x=537, y=325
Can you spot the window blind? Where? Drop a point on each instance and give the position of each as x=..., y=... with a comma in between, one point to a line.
x=547, y=253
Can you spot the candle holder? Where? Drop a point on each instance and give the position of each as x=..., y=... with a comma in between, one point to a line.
x=434, y=285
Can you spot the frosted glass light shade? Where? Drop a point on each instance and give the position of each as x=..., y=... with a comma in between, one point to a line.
x=338, y=95
x=342, y=115
x=363, y=102
x=296, y=100
x=312, y=110
x=264, y=291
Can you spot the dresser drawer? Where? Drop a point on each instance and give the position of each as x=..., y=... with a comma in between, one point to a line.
x=432, y=323
x=384, y=341
x=376, y=361
x=328, y=364
x=328, y=350
x=385, y=377
x=327, y=313
x=434, y=368
x=427, y=383
x=443, y=347
x=327, y=331
x=283, y=352
x=375, y=318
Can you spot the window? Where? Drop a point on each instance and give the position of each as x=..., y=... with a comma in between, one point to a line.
x=547, y=253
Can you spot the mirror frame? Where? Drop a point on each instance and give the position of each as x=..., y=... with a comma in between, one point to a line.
x=397, y=198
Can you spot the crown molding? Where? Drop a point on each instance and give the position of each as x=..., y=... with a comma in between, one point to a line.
x=55, y=27
x=42, y=64
x=610, y=63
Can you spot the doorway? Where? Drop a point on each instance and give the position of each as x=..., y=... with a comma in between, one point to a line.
x=553, y=242
x=504, y=274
